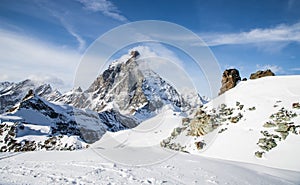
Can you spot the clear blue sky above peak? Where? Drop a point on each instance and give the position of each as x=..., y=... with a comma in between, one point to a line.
x=40, y=35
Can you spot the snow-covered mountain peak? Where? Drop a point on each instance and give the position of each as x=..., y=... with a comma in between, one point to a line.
x=129, y=87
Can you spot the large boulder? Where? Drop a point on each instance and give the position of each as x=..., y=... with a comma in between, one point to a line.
x=229, y=79
x=260, y=74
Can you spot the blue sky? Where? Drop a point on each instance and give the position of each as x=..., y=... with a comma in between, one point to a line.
x=44, y=39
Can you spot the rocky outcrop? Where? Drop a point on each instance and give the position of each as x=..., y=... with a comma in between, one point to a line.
x=278, y=128
x=229, y=79
x=260, y=74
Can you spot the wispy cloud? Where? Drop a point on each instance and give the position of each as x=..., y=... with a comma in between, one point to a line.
x=80, y=40
x=104, y=6
x=279, y=33
x=29, y=57
x=273, y=68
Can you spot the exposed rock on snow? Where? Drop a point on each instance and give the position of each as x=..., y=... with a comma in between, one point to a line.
x=281, y=122
x=296, y=105
x=260, y=74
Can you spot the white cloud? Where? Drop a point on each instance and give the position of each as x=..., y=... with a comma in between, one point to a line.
x=47, y=79
x=104, y=6
x=274, y=68
x=279, y=33
x=23, y=56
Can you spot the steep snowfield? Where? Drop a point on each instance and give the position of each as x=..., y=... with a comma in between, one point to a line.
x=238, y=142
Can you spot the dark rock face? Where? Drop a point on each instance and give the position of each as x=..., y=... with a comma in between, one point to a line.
x=260, y=74
x=229, y=79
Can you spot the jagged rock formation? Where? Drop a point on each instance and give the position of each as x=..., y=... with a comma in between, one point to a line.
x=260, y=74
x=229, y=79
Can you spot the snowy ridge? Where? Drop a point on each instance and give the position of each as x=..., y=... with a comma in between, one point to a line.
x=12, y=93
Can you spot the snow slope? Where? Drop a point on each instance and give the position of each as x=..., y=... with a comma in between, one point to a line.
x=238, y=142
x=86, y=167
x=101, y=164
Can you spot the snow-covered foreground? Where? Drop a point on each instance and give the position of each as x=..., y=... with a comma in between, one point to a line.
x=145, y=162
x=135, y=157
x=87, y=167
